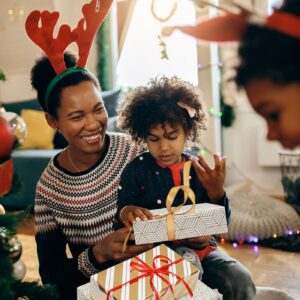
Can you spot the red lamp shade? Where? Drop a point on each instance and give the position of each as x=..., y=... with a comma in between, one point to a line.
x=6, y=138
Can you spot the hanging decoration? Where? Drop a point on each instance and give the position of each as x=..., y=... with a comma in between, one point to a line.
x=162, y=43
x=169, y=15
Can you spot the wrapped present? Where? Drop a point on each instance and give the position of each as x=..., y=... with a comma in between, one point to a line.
x=158, y=273
x=183, y=221
x=83, y=292
x=205, y=219
x=200, y=292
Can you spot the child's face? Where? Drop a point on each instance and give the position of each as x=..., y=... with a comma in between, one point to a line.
x=279, y=105
x=166, y=144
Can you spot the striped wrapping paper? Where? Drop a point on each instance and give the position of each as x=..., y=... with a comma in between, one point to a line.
x=208, y=219
x=141, y=290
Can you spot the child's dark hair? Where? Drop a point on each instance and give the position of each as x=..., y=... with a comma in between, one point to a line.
x=42, y=73
x=156, y=103
x=268, y=54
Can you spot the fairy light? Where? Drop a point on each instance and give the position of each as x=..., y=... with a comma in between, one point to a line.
x=21, y=12
x=234, y=245
x=10, y=12
x=255, y=249
x=214, y=113
x=274, y=235
x=202, y=152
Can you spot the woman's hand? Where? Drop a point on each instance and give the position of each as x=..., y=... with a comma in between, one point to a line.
x=110, y=249
x=212, y=179
x=197, y=243
x=129, y=213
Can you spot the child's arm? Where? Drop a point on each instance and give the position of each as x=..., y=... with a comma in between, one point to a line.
x=212, y=179
x=128, y=214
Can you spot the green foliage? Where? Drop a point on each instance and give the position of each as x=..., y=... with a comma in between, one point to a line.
x=34, y=291
x=104, y=55
x=2, y=75
x=11, y=289
x=11, y=221
x=228, y=114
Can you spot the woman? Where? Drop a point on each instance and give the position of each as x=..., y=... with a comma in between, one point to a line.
x=76, y=194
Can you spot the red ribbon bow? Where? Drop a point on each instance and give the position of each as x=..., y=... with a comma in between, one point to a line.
x=147, y=270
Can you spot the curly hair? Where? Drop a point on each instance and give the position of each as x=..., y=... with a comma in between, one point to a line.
x=268, y=54
x=156, y=103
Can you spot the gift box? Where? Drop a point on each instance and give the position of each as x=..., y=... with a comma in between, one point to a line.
x=200, y=292
x=83, y=292
x=158, y=273
x=189, y=221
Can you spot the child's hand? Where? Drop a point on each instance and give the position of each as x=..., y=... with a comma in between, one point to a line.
x=129, y=213
x=212, y=179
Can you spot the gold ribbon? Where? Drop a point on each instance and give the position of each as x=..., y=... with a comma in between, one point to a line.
x=188, y=194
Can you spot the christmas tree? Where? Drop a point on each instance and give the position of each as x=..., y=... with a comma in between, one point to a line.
x=11, y=287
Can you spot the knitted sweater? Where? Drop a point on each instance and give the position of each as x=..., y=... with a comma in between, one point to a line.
x=78, y=210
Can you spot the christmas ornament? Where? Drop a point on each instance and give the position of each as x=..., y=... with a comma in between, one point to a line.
x=18, y=126
x=4, y=234
x=19, y=270
x=2, y=210
x=15, y=249
x=6, y=138
x=6, y=176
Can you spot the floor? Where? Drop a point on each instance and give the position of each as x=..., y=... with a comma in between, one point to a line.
x=269, y=267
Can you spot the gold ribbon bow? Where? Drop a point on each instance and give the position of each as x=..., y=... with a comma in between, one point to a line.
x=188, y=194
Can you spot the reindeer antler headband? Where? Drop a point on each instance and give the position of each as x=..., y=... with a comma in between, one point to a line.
x=83, y=35
x=231, y=27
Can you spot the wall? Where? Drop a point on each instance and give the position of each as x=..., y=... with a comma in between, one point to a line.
x=18, y=52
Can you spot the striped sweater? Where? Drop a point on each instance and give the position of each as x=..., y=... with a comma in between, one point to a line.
x=78, y=210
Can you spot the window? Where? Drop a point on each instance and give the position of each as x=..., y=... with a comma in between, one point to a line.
x=140, y=59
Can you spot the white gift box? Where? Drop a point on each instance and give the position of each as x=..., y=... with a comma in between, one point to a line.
x=201, y=292
x=208, y=219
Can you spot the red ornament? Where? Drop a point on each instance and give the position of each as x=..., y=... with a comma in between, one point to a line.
x=6, y=138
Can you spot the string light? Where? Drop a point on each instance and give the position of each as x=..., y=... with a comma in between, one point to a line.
x=234, y=245
x=212, y=111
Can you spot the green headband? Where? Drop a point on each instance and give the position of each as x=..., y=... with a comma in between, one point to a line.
x=57, y=78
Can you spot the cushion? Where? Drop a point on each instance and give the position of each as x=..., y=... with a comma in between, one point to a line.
x=266, y=293
x=39, y=133
x=16, y=107
x=257, y=215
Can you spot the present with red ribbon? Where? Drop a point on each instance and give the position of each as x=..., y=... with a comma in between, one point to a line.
x=158, y=273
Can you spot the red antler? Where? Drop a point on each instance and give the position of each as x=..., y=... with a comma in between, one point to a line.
x=43, y=37
x=93, y=16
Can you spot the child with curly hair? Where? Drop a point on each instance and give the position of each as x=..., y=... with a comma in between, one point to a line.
x=165, y=115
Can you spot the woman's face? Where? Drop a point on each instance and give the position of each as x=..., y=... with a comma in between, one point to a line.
x=279, y=105
x=82, y=117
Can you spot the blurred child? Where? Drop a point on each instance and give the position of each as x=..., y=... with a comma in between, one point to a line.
x=269, y=63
